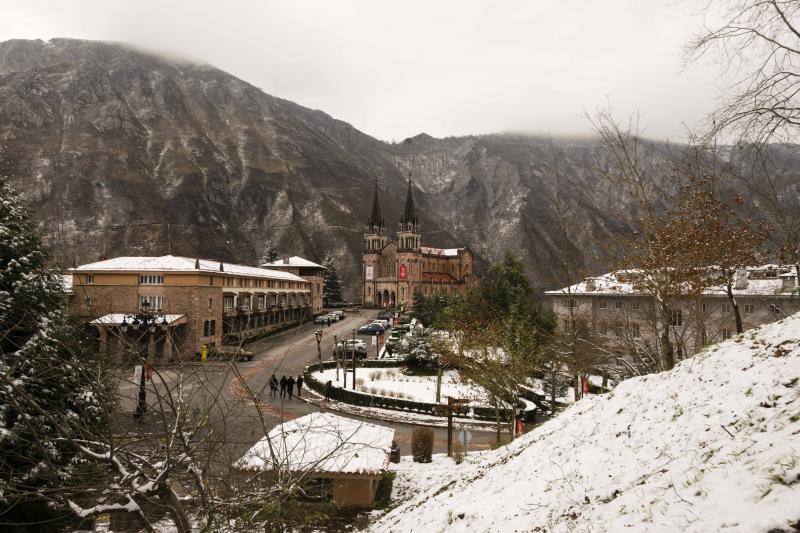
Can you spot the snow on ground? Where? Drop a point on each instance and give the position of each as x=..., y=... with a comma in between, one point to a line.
x=712, y=445
x=392, y=382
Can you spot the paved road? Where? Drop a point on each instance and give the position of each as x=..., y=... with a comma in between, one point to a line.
x=234, y=389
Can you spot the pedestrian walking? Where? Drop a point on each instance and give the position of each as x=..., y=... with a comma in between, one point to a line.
x=290, y=386
x=328, y=387
x=299, y=386
x=273, y=386
x=283, y=386
x=329, y=321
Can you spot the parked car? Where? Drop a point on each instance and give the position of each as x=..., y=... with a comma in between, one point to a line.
x=383, y=322
x=346, y=350
x=229, y=352
x=371, y=329
x=356, y=342
x=339, y=314
x=385, y=315
x=323, y=319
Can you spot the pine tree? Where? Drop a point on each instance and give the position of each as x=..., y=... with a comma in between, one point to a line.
x=270, y=254
x=45, y=390
x=332, y=287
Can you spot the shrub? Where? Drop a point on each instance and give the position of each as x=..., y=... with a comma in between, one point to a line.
x=360, y=382
x=422, y=445
x=390, y=374
x=383, y=392
x=392, y=394
x=373, y=390
x=383, y=496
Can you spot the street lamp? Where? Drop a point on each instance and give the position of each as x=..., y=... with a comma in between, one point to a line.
x=318, y=334
x=149, y=321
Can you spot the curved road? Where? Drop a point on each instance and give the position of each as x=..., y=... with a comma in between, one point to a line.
x=287, y=353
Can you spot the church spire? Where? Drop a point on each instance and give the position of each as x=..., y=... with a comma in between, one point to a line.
x=375, y=222
x=409, y=213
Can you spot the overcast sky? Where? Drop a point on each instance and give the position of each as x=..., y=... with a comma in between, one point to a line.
x=395, y=69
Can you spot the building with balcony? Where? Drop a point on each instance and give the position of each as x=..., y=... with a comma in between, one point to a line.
x=308, y=270
x=624, y=319
x=194, y=302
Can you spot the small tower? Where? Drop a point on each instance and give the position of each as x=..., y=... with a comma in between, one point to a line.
x=409, y=238
x=375, y=236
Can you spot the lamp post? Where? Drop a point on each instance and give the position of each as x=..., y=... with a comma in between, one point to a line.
x=150, y=322
x=318, y=333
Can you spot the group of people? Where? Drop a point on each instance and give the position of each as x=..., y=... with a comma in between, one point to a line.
x=286, y=386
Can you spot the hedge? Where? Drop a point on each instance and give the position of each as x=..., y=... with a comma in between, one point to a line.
x=398, y=404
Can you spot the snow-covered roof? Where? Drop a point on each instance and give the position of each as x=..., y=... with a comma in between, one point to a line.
x=446, y=252
x=621, y=283
x=294, y=261
x=711, y=445
x=323, y=442
x=171, y=263
x=116, y=319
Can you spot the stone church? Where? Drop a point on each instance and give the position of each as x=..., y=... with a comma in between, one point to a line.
x=395, y=269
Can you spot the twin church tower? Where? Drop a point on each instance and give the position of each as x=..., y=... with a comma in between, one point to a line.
x=394, y=270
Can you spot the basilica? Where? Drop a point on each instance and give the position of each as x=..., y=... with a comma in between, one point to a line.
x=395, y=269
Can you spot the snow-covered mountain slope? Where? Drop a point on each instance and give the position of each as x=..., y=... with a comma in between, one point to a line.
x=713, y=445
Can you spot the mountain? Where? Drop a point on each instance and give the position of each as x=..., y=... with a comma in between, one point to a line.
x=712, y=445
x=122, y=151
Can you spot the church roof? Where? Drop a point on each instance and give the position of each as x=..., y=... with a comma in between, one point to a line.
x=409, y=213
x=376, y=219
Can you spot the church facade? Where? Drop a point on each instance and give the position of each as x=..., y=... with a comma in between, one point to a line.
x=394, y=270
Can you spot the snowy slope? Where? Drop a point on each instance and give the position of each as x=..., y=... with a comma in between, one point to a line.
x=713, y=445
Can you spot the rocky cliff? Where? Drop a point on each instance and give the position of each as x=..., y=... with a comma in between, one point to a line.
x=122, y=151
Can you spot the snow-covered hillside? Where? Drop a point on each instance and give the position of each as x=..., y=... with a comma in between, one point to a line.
x=713, y=445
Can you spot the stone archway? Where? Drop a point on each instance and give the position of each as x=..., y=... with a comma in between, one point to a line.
x=378, y=299
x=385, y=297
x=393, y=300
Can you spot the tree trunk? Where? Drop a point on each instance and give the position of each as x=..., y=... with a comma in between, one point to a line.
x=497, y=419
x=735, y=305
x=439, y=384
x=666, y=342
x=553, y=390
x=576, y=386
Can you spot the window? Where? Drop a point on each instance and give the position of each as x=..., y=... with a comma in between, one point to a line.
x=213, y=327
x=635, y=305
x=603, y=304
x=726, y=308
x=603, y=328
x=210, y=303
x=210, y=280
x=151, y=280
x=618, y=305
x=726, y=334
x=676, y=317
x=227, y=302
x=774, y=309
x=703, y=307
x=748, y=308
x=635, y=330
x=206, y=328
x=88, y=302
x=89, y=279
x=572, y=302
x=151, y=303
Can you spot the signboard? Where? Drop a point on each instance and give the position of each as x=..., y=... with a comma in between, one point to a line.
x=137, y=374
x=403, y=272
x=464, y=437
x=370, y=274
x=374, y=340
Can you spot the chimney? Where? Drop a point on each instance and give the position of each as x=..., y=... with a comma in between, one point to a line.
x=740, y=279
x=285, y=259
x=789, y=282
x=221, y=268
x=591, y=285
x=103, y=257
x=197, y=264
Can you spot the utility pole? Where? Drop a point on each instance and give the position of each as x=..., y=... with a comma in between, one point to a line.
x=336, y=356
x=449, y=426
x=318, y=333
x=354, y=359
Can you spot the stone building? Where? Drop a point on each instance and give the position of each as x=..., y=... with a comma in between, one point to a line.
x=309, y=271
x=624, y=319
x=394, y=270
x=194, y=302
